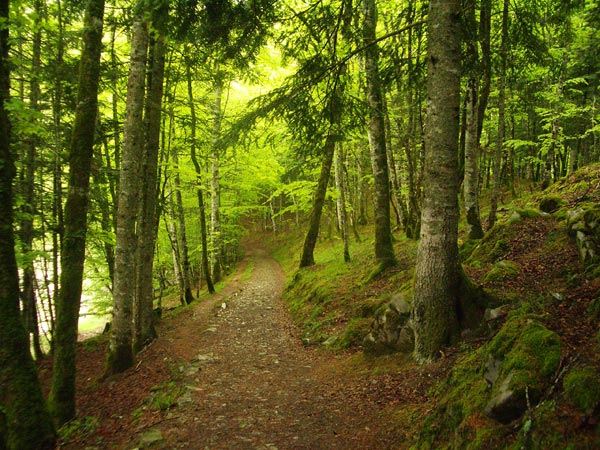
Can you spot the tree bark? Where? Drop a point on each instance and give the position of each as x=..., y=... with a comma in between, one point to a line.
x=120, y=353
x=24, y=420
x=182, y=234
x=471, y=180
x=497, y=161
x=341, y=200
x=215, y=188
x=144, y=296
x=437, y=274
x=334, y=114
x=28, y=191
x=62, y=394
x=384, y=249
x=199, y=184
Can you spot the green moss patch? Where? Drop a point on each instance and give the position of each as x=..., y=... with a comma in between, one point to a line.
x=494, y=246
x=522, y=357
x=502, y=270
x=582, y=387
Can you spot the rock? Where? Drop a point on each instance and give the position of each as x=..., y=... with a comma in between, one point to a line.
x=522, y=362
x=584, y=225
x=497, y=313
x=492, y=370
x=391, y=330
x=506, y=405
x=204, y=359
x=151, y=439
x=330, y=341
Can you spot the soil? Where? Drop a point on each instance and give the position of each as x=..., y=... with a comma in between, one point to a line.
x=232, y=372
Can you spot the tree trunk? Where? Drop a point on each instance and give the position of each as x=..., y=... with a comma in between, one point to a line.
x=174, y=241
x=497, y=161
x=437, y=274
x=215, y=188
x=384, y=249
x=62, y=394
x=24, y=420
x=28, y=191
x=182, y=235
x=471, y=131
x=120, y=353
x=341, y=200
x=144, y=295
x=334, y=114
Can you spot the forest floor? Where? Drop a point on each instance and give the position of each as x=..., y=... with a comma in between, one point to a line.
x=231, y=372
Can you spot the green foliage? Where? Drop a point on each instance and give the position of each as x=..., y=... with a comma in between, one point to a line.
x=582, y=387
x=165, y=396
x=78, y=428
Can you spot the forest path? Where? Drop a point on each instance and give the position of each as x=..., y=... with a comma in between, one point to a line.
x=248, y=382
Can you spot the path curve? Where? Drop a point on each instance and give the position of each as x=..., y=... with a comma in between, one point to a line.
x=251, y=384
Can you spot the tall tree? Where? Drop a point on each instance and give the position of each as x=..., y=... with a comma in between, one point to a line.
x=199, y=184
x=24, y=420
x=215, y=182
x=120, y=353
x=144, y=294
x=384, y=249
x=471, y=178
x=62, y=395
x=497, y=157
x=334, y=115
x=338, y=167
x=437, y=273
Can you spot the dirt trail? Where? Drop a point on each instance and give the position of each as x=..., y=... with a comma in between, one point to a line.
x=249, y=382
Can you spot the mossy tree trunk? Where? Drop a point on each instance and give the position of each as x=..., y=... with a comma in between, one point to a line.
x=437, y=273
x=120, y=353
x=145, y=331
x=384, y=249
x=62, y=394
x=24, y=420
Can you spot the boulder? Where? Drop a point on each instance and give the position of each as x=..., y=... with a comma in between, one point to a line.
x=507, y=405
x=523, y=358
x=391, y=330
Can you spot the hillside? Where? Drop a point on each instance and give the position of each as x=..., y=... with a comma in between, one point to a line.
x=537, y=348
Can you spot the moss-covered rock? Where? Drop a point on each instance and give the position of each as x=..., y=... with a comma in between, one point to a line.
x=502, y=270
x=551, y=203
x=519, y=361
x=520, y=214
x=354, y=333
x=582, y=387
x=494, y=246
